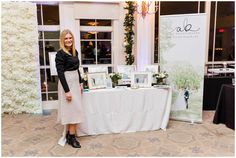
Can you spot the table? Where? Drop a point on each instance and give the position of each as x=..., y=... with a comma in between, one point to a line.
x=212, y=86
x=231, y=66
x=221, y=70
x=225, y=106
x=121, y=110
x=125, y=110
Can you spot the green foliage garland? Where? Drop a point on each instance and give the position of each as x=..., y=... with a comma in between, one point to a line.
x=129, y=33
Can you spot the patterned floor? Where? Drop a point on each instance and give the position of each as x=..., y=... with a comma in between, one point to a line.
x=37, y=135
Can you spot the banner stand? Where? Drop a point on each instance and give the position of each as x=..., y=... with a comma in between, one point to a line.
x=182, y=56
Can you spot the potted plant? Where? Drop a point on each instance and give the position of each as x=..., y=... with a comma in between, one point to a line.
x=160, y=77
x=84, y=80
x=115, y=77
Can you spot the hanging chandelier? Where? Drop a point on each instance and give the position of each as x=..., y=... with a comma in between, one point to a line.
x=144, y=7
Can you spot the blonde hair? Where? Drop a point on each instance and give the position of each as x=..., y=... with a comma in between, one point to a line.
x=62, y=39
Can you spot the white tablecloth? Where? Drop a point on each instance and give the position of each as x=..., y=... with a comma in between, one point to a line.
x=125, y=110
x=222, y=70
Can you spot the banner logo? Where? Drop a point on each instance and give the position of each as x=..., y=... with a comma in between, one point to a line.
x=187, y=30
x=187, y=27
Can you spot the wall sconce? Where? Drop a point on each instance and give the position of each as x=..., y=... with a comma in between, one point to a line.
x=143, y=8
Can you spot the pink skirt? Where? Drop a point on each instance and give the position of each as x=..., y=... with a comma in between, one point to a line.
x=70, y=112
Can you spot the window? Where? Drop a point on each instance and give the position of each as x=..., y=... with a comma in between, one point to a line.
x=156, y=40
x=48, y=14
x=221, y=41
x=96, y=41
x=168, y=8
x=48, y=39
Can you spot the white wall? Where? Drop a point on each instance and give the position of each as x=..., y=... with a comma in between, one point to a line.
x=67, y=19
x=87, y=10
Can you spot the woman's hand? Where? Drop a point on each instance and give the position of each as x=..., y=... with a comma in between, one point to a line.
x=81, y=87
x=68, y=96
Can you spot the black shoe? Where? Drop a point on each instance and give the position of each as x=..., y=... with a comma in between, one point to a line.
x=73, y=142
x=67, y=135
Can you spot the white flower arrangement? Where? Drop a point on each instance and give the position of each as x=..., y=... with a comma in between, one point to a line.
x=84, y=77
x=20, y=69
x=160, y=76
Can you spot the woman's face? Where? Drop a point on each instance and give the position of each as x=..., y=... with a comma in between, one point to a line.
x=68, y=41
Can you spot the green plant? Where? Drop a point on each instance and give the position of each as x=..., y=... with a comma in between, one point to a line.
x=115, y=77
x=129, y=33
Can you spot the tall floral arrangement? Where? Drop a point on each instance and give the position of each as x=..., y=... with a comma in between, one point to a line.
x=20, y=74
x=129, y=33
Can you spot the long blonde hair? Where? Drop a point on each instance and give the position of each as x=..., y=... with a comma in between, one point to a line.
x=62, y=39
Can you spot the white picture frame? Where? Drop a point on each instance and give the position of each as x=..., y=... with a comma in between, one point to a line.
x=81, y=70
x=125, y=71
x=152, y=69
x=141, y=79
x=98, y=68
x=52, y=63
x=96, y=80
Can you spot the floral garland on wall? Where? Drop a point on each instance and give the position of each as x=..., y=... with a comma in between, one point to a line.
x=20, y=74
x=129, y=33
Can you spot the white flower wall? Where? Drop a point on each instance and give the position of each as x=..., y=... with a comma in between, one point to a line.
x=20, y=66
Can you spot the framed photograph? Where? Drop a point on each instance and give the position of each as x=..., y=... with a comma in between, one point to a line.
x=152, y=69
x=98, y=68
x=96, y=80
x=81, y=70
x=142, y=79
x=125, y=71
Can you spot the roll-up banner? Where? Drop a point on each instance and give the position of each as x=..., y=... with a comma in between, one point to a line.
x=182, y=56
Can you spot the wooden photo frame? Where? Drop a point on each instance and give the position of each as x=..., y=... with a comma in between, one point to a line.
x=141, y=79
x=96, y=80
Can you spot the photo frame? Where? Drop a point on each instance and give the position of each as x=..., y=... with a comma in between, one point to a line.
x=152, y=69
x=96, y=80
x=97, y=68
x=81, y=70
x=125, y=71
x=141, y=79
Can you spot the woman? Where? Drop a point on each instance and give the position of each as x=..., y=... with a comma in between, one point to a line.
x=70, y=87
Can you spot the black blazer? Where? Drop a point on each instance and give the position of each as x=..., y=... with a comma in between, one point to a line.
x=66, y=62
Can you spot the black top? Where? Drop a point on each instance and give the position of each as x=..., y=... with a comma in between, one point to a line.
x=66, y=62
